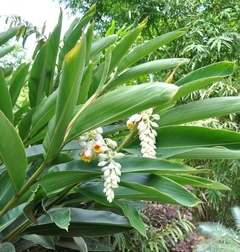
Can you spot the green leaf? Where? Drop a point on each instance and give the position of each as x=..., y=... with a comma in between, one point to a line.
x=11, y=216
x=66, y=100
x=45, y=241
x=124, y=45
x=83, y=224
x=101, y=44
x=146, y=48
x=61, y=217
x=43, y=69
x=73, y=35
x=6, y=49
x=7, y=35
x=193, y=142
x=12, y=153
x=133, y=216
x=17, y=82
x=199, y=110
x=81, y=244
x=202, y=77
x=86, y=82
x=198, y=181
x=5, y=100
x=7, y=190
x=44, y=113
x=118, y=104
x=167, y=190
x=146, y=68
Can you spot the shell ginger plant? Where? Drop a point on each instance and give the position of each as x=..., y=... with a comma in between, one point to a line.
x=69, y=168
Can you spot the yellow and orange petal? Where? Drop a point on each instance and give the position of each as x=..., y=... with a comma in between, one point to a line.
x=97, y=148
x=130, y=125
x=84, y=158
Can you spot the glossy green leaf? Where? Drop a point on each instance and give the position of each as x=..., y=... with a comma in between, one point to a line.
x=196, y=142
x=198, y=182
x=124, y=45
x=133, y=216
x=61, y=217
x=74, y=34
x=12, y=153
x=44, y=113
x=10, y=33
x=202, y=77
x=144, y=49
x=86, y=82
x=43, y=69
x=83, y=224
x=17, y=82
x=5, y=100
x=118, y=104
x=103, y=43
x=67, y=98
x=199, y=110
x=128, y=209
x=146, y=68
x=5, y=50
x=167, y=190
x=7, y=71
x=81, y=244
x=45, y=241
x=11, y=216
x=7, y=190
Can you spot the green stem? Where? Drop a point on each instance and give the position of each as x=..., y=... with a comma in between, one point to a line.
x=24, y=189
x=16, y=231
x=129, y=138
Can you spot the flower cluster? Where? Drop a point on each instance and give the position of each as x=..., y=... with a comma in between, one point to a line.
x=147, y=135
x=93, y=144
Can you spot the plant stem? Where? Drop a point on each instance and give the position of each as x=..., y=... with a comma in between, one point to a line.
x=16, y=231
x=129, y=138
x=24, y=189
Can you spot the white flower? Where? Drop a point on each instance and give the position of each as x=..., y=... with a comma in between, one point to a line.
x=93, y=144
x=147, y=134
x=111, y=175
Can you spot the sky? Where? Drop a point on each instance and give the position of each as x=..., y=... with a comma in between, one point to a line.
x=34, y=11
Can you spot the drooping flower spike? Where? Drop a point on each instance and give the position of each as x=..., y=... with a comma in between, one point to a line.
x=147, y=134
x=94, y=145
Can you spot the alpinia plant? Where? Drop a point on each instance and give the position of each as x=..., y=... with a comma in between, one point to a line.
x=70, y=167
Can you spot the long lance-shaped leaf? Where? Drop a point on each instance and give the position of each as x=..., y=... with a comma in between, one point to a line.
x=199, y=110
x=83, y=224
x=198, y=181
x=167, y=190
x=12, y=153
x=203, y=77
x=5, y=99
x=43, y=113
x=146, y=68
x=86, y=82
x=129, y=210
x=103, y=43
x=74, y=34
x=5, y=50
x=123, y=46
x=67, y=97
x=142, y=50
x=10, y=33
x=185, y=141
x=43, y=69
x=17, y=82
x=119, y=104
